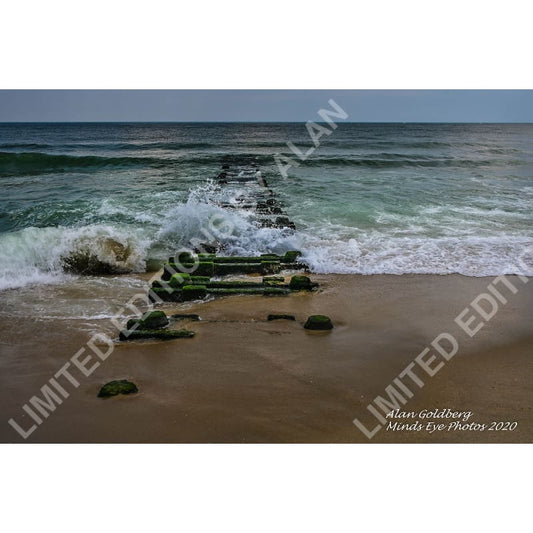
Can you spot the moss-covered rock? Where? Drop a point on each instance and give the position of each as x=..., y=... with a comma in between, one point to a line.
x=186, y=316
x=275, y=291
x=203, y=268
x=301, y=283
x=280, y=317
x=233, y=285
x=119, y=386
x=318, y=322
x=199, y=280
x=237, y=259
x=193, y=292
x=132, y=323
x=158, y=334
x=273, y=279
x=206, y=257
x=291, y=256
x=166, y=295
x=169, y=269
x=223, y=269
x=270, y=267
x=184, y=257
x=266, y=291
x=153, y=320
x=177, y=280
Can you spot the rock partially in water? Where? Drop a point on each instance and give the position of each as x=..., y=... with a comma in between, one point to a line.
x=153, y=320
x=177, y=280
x=265, y=291
x=301, y=283
x=193, y=292
x=225, y=269
x=207, y=247
x=186, y=316
x=291, y=256
x=199, y=280
x=158, y=334
x=102, y=257
x=318, y=322
x=203, y=268
x=133, y=323
x=120, y=386
x=150, y=320
x=273, y=279
x=270, y=267
x=280, y=317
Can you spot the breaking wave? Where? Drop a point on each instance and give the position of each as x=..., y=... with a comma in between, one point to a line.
x=47, y=255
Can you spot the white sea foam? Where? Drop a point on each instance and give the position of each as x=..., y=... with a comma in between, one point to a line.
x=36, y=255
x=440, y=239
x=470, y=256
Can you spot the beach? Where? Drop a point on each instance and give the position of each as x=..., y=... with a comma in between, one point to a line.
x=402, y=226
x=245, y=379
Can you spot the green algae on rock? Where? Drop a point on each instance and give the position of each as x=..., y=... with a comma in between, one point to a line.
x=270, y=267
x=291, y=256
x=318, y=322
x=166, y=295
x=193, y=292
x=186, y=316
x=203, y=268
x=158, y=334
x=153, y=320
x=223, y=269
x=301, y=283
x=199, y=280
x=273, y=279
x=265, y=291
x=132, y=323
x=119, y=386
x=179, y=279
x=233, y=285
x=280, y=317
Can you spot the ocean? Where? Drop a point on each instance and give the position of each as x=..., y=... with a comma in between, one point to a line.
x=371, y=199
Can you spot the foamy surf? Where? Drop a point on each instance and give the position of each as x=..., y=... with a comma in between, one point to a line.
x=46, y=255
x=375, y=199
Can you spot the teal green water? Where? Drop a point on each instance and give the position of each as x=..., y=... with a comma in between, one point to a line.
x=372, y=198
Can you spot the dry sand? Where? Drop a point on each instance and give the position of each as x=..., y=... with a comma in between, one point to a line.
x=243, y=379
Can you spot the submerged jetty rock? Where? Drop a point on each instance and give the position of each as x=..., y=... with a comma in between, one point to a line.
x=199, y=283
x=186, y=316
x=194, y=292
x=210, y=265
x=273, y=279
x=120, y=386
x=318, y=322
x=301, y=283
x=150, y=325
x=150, y=320
x=189, y=276
x=177, y=280
x=158, y=334
x=280, y=317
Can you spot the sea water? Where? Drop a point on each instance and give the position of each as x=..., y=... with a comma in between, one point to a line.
x=372, y=198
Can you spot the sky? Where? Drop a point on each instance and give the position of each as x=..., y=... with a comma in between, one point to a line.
x=263, y=105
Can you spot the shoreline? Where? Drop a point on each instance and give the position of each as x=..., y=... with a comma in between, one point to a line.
x=243, y=379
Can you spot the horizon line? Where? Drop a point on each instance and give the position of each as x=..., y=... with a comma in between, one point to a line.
x=246, y=122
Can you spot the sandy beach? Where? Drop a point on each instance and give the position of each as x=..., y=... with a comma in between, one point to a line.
x=244, y=379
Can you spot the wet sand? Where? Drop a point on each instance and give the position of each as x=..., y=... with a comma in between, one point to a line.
x=243, y=379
